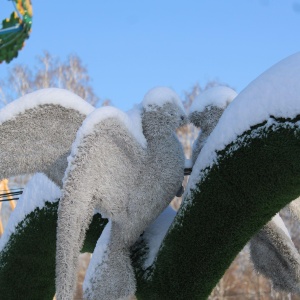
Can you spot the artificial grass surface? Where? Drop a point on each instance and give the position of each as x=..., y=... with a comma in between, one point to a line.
x=27, y=263
x=229, y=205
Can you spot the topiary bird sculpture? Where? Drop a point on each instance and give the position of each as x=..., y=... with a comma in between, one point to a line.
x=130, y=176
x=246, y=171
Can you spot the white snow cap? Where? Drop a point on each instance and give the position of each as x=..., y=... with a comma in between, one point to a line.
x=135, y=115
x=131, y=120
x=39, y=190
x=160, y=96
x=274, y=93
x=156, y=232
x=45, y=96
x=219, y=96
x=99, y=257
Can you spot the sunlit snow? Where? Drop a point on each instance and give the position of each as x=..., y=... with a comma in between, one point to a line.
x=45, y=96
x=37, y=192
x=274, y=93
x=219, y=96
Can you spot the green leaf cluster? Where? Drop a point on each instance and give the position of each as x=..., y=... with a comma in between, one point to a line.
x=12, y=43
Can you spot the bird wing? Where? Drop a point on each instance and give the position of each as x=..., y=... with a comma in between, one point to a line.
x=103, y=165
x=107, y=153
x=274, y=255
x=38, y=129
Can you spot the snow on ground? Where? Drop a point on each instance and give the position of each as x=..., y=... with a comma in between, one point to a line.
x=156, y=232
x=219, y=96
x=39, y=190
x=161, y=95
x=274, y=93
x=45, y=96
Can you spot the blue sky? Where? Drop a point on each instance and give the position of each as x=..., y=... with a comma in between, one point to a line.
x=131, y=46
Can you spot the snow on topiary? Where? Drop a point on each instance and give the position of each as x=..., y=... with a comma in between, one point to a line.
x=130, y=177
x=22, y=247
x=32, y=198
x=247, y=170
x=27, y=256
x=206, y=111
x=37, y=131
x=273, y=253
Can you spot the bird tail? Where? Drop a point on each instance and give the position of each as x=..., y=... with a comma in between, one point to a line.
x=75, y=213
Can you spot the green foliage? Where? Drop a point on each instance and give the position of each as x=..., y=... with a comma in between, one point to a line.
x=27, y=263
x=232, y=201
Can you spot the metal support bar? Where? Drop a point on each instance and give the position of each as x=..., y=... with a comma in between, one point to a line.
x=13, y=29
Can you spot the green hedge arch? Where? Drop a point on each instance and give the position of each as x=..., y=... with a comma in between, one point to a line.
x=27, y=263
x=230, y=203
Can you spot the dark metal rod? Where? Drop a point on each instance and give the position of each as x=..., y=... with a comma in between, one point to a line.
x=187, y=171
x=11, y=29
x=9, y=199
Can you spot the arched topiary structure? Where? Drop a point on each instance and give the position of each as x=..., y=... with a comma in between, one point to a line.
x=247, y=171
x=230, y=204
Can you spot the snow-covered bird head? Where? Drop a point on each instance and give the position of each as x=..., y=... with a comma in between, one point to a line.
x=208, y=107
x=163, y=111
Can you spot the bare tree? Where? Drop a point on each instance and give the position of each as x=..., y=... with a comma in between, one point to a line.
x=49, y=71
